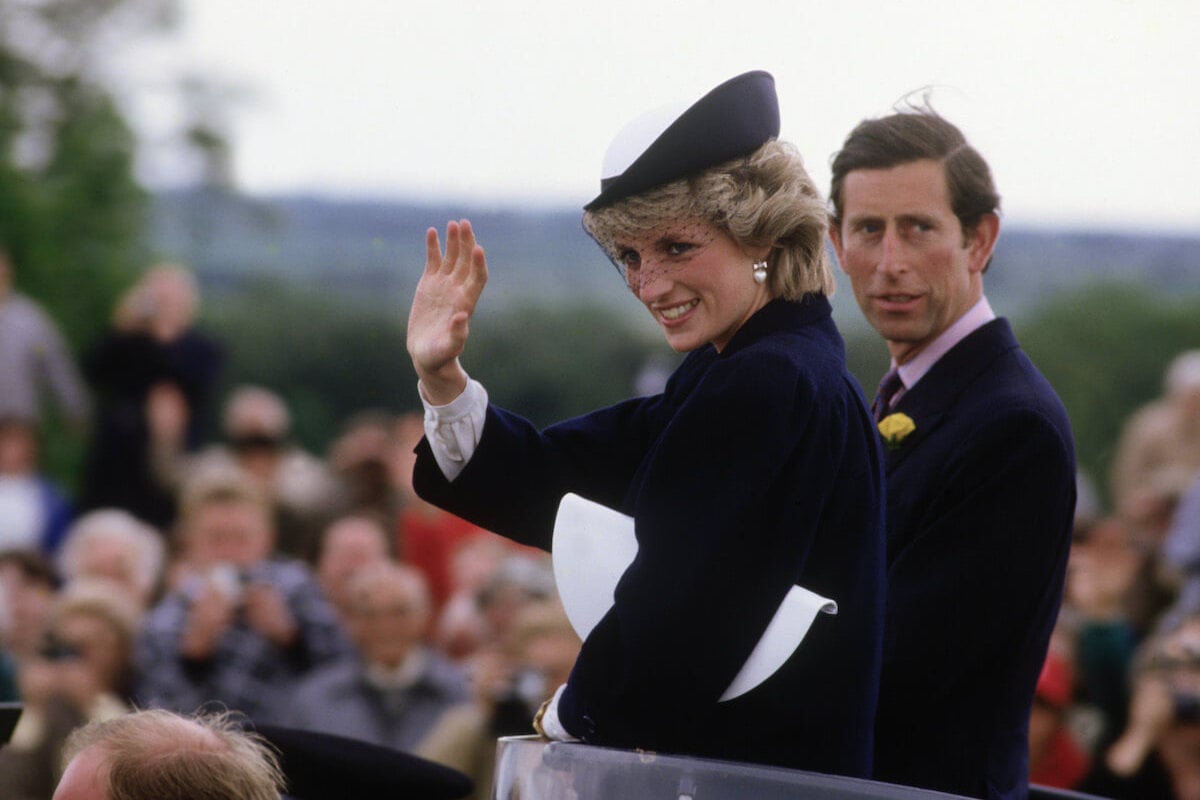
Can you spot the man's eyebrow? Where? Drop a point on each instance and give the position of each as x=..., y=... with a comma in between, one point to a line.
x=863, y=216
x=917, y=216
x=907, y=217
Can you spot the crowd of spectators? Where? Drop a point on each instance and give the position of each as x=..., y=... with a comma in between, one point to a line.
x=1117, y=711
x=242, y=571
x=317, y=591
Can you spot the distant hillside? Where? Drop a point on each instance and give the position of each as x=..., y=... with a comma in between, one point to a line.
x=372, y=252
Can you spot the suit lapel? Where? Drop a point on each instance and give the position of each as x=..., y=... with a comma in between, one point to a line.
x=933, y=399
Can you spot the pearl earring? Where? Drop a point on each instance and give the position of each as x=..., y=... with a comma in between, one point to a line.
x=760, y=271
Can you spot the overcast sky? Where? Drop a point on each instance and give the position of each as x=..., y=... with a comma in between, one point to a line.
x=1089, y=112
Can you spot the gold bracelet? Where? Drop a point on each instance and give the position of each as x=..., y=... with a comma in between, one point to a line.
x=537, y=720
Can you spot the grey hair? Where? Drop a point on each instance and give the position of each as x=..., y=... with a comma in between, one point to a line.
x=144, y=543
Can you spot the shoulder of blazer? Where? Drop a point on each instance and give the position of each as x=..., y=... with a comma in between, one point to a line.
x=966, y=363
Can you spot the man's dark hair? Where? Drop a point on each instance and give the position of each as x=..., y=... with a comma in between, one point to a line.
x=914, y=134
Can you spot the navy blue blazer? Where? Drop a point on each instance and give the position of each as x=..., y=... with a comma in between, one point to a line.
x=981, y=498
x=756, y=469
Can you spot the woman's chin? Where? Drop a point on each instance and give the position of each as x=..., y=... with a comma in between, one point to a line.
x=682, y=343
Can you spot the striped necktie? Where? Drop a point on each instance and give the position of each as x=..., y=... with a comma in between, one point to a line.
x=888, y=386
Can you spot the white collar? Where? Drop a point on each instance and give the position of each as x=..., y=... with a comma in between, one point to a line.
x=976, y=317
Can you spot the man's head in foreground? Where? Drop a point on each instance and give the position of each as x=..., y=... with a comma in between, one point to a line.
x=160, y=755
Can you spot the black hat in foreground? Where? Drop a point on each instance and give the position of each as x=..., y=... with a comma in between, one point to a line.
x=319, y=766
x=732, y=120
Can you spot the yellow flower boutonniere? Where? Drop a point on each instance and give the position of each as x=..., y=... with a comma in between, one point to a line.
x=895, y=428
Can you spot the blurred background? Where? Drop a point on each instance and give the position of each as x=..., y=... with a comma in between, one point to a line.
x=292, y=156
x=211, y=224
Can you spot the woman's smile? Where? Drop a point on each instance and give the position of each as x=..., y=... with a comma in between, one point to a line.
x=673, y=313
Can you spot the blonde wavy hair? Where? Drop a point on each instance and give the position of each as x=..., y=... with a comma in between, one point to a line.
x=766, y=199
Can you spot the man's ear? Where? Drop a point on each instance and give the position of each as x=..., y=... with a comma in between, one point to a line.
x=981, y=241
x=835, y=236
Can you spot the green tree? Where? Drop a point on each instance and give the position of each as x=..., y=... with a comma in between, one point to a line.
x=1105, y=350
x=328, y=360
x=74, y=212
x=89, y=241
x=549, y=363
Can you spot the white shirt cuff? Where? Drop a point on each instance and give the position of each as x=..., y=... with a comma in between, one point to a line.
x=454, y=429
x=551, y=724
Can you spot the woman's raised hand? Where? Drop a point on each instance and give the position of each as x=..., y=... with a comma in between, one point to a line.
x=441, y=311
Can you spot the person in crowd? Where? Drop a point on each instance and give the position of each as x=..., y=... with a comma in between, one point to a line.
x=366, y=458
x=1103, y=613
x=480, y=565
x=81, y=674
x=28, y=584
x=545, y=643
x=1158, y=452
x=96, y=622
x=153, y=348
x=35, y=362
x=257, y=430
x=478, y=617
x=347, y=545
x=1158, y=752
x=34, y=509
x=428, y=537
x=8, y=667
x=158, y=755
x=395, y=689
x=1180, y=552
x=980, y=462
x=510, y=679
x=518, y=581
x=241, y=628
x=1056, y=758
x=1152, y=587
x=756, y=470
x=115, y=545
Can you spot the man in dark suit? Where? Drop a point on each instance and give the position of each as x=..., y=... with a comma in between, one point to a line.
x=980, y=461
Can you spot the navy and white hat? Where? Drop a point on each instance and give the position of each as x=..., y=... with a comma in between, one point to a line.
x=670, y=143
